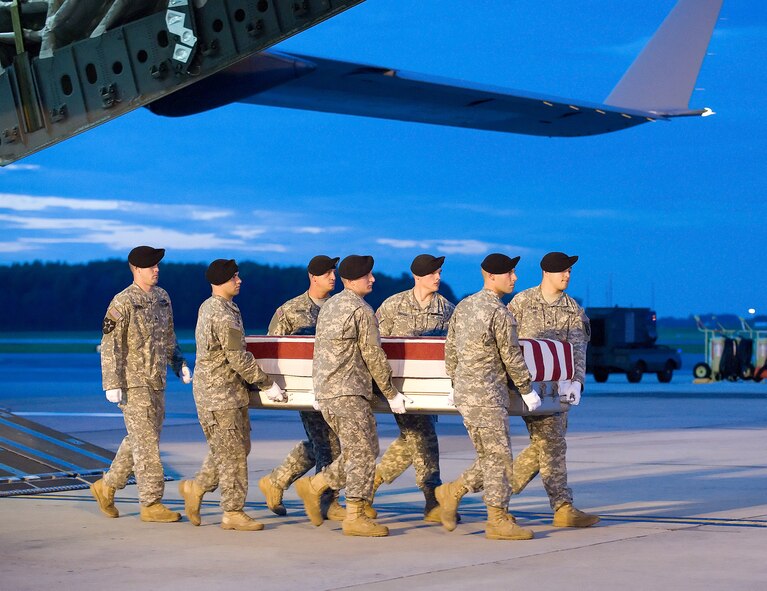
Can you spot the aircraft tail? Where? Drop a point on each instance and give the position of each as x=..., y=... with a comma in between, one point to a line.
x=662, y=78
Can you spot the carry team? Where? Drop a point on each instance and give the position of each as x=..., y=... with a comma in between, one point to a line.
x=482, y=359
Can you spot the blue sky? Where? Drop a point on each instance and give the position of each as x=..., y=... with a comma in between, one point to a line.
x=671, y=215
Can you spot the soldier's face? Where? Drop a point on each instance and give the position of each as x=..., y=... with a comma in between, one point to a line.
x=326, y=282
x=560, y=281
x=232, y=287
x=429, y=282
x=148, y=276
x=362, y=286
x=505, y=282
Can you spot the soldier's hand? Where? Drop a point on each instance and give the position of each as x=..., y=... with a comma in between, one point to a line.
x=397, y=404
x=115, y=395
x=563, y=387
x=532, y=400
x=575, y=393
x=275, y=393
x=185, y=375
x=451, y=397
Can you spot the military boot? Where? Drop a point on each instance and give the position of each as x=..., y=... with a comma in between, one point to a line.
x=449, y=497
x=192, y=494
x=432, y=512
x=502, y=526
x=159, y=513
x=105, y=497
x=240, y=521
x=337, y=512
x=310, y=490
x=273, y=495
x=569, y=516
x=357, y=523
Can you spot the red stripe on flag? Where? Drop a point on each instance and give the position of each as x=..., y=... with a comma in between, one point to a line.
x=537, y=372
x=282, y=349
x=556, y=369
x=415, y=350
x=570, y=370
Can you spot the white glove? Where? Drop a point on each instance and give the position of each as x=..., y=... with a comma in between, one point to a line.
x=315, y=404
x=573, y=393
x=397, y=404
x=532, y=400
x=115, y=395
x=563, y=387
x=185, y=375
x=451, y=397
x=275, y=393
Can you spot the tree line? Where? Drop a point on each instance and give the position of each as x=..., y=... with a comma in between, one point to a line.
x=43, y=296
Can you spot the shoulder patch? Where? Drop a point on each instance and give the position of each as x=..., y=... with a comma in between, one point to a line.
x=108, y=325
x=234, y=339
x=114, y=313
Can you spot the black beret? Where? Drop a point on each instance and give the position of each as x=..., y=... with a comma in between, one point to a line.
x=498, y=263
x=220, y=271
x=355, y=266
x=556, y=262
x=321, y=264
x=426, y=264
x=145, y=256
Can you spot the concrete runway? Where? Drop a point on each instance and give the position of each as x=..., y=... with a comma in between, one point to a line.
x=678, y=473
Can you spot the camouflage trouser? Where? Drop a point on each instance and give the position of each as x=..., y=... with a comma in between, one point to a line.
x=351, y=418
x=417, y=445
x=320, y=449
x=492, y=471
x=228, y=435
x=139, y=452
x=546, y=454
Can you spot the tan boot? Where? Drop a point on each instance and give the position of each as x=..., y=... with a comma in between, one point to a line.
x=335, y=511
x=273, y=495
x=502, y=526
x=357, y=523
x=192, y=494
x=240, y=521
x=105, y=497
x=159, y=513
x=432, y=512
x=449, y=497
x=569, y=516
x=310, y=490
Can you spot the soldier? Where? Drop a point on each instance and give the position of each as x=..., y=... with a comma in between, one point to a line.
x=481, y=355
x=347, y=354
x=321, y=447
x=547, y=312
x=224, y=369
x=420, y=311
x=137, y=345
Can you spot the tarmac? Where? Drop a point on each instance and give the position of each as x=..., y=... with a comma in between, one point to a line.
x=677, y=472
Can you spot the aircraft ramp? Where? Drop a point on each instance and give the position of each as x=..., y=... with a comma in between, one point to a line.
x=35, y=459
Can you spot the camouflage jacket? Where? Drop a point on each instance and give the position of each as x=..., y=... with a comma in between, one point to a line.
x=138, y=340
x=401, y=316
x=224, y=367
x=347, y=350
x=296, y=316
x=482, y=352
x=562, y=320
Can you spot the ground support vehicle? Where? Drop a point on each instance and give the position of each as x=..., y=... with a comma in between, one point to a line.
x=729, y=353
x=623, y=341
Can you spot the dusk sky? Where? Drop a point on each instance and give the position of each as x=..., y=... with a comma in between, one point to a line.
x=667, y=214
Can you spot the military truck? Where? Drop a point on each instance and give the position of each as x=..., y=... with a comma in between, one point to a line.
x=623, y=341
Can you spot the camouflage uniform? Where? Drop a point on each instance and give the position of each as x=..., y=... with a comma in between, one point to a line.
x=481, y=354
x=401, y=315
x=137, y=345
x=223, y=371
x=562, y=320
x=299, y=316
x=347, y=353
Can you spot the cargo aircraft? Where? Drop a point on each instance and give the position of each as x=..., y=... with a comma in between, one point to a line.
x=68, y=66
